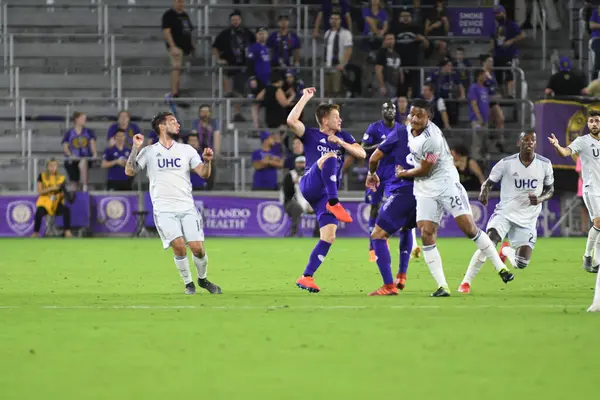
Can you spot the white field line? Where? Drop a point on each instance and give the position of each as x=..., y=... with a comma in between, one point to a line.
x=316, y=307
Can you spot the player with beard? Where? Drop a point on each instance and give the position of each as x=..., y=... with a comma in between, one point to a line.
x=177, y=219
x=527, y=180
x=588, y=148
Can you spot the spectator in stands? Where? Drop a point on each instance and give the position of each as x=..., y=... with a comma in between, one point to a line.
x=594, y=25
x=565, y=82
x=198, y=183
x=376, y=24
x=585, y=222
x=259, y=60
x=51, y=188
x=328, y=9
x=439, y=114
x=437, y=25
x=338, y=50
x=177, y=31
x=285, y=45
x=297, y=151
x=230, y=48
x=496, y=113
x=266, y=162
x=208, y=130
x=275, y=102
x=479, y=111
x=293, y=87
x=387, y=68
x=461, y=66
x=398, y=5
x=447, y=85
x=504, y=48
x=293, y=202
x=469, y=171
x=409, y=40
x=588, y=9
x=79, y=146
x=123, y=123
x=402, y=109
x=114, y=160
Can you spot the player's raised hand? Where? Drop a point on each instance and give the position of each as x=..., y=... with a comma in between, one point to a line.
x=553, y=140
x=533, y=200
x=138, y=140
x=309, y=92
x=372, y=182
x=208, y=154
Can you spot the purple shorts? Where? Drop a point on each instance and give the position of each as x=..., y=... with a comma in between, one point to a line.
x=313, y=190
x=399, y=211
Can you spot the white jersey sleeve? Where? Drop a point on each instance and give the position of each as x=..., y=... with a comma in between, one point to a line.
x=195, y=159
x=142, y=157
x=549, y=177
x=576, y=145
x=497, y=171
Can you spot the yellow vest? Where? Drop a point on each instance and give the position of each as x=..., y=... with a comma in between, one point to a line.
x=50, y=201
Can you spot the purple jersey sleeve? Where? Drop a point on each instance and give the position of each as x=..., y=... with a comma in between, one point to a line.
x=112, y=131
x=389, y=144
x=65, y=138
x=256, y=155
x=348, y=138
x=370, y=138
x=472, y=95
x=107, y=155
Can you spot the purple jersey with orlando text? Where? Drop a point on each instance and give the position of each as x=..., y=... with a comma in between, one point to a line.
x=316, y=146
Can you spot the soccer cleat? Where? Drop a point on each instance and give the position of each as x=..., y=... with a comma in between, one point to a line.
x=385, y=290
x=211, y=287
x=506, y=275
x=190, y=288
x=464, y=287
x=594, y=308
x=416, y=253
x=400, y=281
x=441, y=292
x=502, y=256
x=339, y=212
x=372, y=256
x=308, y=283
x=588, y=265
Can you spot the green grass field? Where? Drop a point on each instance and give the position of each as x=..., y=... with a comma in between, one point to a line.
x=107, y=319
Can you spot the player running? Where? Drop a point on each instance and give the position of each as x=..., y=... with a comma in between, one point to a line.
x=438, y=189
x=375, y=134
x=398, y=213
x=588, y=148
x=177, y=219
x=527, y=180
x=324, y=149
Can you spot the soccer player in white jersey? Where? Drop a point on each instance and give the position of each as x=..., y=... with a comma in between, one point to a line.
x=437, y=189
x=177, y=219
x=588, y=148
x=527, y=180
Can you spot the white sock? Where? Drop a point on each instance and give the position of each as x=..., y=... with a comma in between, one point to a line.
x=475, y=265
x=487, y=247
x=183, y=265
x=591, y=241
x=511, y=254
x=201, y=266
x=414, y=235
x=596, y=301
x=434, y=262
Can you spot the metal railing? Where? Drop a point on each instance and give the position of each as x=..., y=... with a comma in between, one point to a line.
x=540, y=16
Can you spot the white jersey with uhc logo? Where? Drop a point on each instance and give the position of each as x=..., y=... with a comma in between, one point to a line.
x=169, y=175
x=588, y=149
x=517, y=182
x=432, y=147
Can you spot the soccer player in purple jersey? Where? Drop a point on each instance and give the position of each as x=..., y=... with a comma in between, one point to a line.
x=324, y=149
x=399, y=211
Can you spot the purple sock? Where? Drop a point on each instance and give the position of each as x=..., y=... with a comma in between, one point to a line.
x=371, y=228
x=406, y=244
x=329, y=176
x=316, y=257
x=384, y=260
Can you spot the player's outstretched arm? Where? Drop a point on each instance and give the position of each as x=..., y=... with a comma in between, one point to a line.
x=420, y=171
x=562, y=151
x=485, y=191
x=293, y=120
x=132, y=166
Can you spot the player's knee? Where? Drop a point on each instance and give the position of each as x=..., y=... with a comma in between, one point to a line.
x=597, y=223
x=178, y=246
x=494, y=236
x=328, y=237
x=324, y=158
x=379, y=233
x=197, y=249
x=428, y=234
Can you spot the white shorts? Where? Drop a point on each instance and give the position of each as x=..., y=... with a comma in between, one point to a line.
x=592, y=203
x=188, y=225
x=517, y=235
x=454, y=201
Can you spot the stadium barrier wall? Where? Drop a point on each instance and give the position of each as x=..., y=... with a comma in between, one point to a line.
x=226, y=214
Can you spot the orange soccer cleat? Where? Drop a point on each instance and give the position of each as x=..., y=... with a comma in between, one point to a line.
x=502, y=256
x=401, y=281
x=464, y=287
x=308, y=283
x=385, y=290
x=339, y=212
